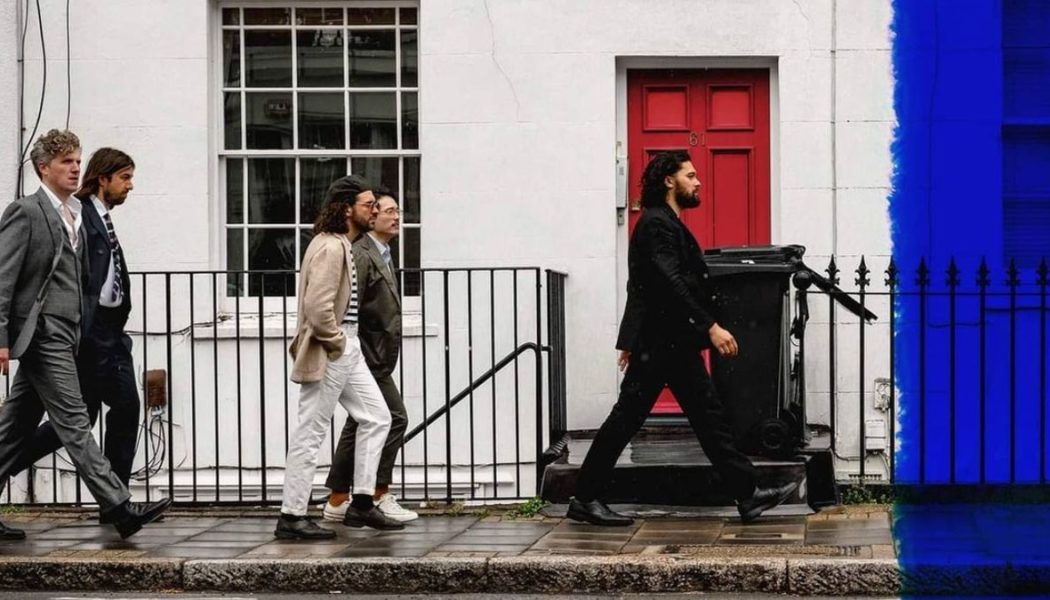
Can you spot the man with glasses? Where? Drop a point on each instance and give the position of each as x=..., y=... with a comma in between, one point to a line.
x=329, y=365
x=379, y=328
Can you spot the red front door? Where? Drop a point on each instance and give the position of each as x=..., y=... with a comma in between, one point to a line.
x=721, y=118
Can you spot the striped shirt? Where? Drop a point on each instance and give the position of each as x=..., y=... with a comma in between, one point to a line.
x=352, y=309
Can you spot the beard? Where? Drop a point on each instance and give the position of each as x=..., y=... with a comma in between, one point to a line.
x=686, y=200
x=363, y=225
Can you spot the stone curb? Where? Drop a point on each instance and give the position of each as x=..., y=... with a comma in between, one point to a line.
x=39, y=573
x=543, y=574
x=524, y=574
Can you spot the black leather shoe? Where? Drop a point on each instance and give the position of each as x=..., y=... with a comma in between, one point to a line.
x=355, y=517
x=596, y=513
x=104, y=518
x=129, y=517
x=764, y=499
x=10, y=533
x=290, y=527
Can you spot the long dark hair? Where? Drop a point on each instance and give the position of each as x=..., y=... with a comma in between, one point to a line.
x=662, y=165
x=341, y=197
x=105, y=162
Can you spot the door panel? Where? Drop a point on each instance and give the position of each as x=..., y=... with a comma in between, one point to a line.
x=721, y=118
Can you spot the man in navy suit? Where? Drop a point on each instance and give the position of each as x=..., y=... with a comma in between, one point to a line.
x=104, y=364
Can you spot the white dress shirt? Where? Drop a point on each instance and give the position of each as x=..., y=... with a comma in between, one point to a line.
x=106, y=296
x=72, y=231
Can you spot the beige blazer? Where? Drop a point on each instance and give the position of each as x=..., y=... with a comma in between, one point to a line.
x=324, y=296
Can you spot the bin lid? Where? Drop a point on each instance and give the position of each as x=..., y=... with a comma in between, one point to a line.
x=754, y=259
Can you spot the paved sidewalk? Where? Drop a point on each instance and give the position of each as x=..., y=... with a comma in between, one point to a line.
x=841, y=551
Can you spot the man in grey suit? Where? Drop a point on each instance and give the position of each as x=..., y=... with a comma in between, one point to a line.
x=43, y=268
x=379, y=328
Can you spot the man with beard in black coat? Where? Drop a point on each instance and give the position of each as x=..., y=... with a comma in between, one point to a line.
x=665, y=326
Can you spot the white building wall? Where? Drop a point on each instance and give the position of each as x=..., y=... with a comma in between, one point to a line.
x=519, y=121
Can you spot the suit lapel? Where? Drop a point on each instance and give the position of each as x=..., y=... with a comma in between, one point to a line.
x=91, y=216
x=54, y=222
x=377, y=260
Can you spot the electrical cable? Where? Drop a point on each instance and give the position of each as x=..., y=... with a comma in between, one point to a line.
x=69, y=76
x=43, y=88
x=22, y=87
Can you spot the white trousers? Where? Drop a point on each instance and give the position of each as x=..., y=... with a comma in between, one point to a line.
x=347, y=381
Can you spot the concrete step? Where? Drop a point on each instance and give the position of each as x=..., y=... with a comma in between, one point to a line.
x=670, y=468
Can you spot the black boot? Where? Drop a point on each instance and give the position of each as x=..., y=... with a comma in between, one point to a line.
x=10, y=533
x=596, y=513
x=129, y=517
x=356, y=517
x=763, y=500
x=292, y=527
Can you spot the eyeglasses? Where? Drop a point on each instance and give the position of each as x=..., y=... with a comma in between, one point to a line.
x=393, y=211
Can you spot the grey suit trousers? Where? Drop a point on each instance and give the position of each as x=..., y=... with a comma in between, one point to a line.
x=46, y=380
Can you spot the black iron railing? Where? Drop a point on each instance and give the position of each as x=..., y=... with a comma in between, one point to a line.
x=218, y=404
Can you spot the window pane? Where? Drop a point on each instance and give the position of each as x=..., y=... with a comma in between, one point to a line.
x=409, y=121
x=409, y=16
x=372, y=58
x=315, y=175
x=319, y=16
x=271, y=249
x=373, y=121
x=269, y=117
x=305, y=237
x=234, y=260
x=232, y=112
x=320, y=57
x=267, y=16
x=231, y=16
x=234, y=190
x=268, y=58
x=410, y=195
x=231, y=58
x=376, y=169
x=409, y=70
x=321, y=123
x=271, y=197
x=410, y=260
x=371, y=16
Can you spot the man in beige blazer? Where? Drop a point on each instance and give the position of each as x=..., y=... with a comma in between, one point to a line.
x=380, y=333
x=329, y=365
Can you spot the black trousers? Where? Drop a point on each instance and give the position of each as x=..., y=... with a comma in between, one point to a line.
x=107, y=376
x=341, y=475
x=685, y=373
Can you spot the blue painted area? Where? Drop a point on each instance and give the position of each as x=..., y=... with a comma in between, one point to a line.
x=948, y=202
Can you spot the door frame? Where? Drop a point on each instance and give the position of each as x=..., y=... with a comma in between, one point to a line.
x=630, y=63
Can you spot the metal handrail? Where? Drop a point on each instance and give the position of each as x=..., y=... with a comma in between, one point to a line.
x=506, y=360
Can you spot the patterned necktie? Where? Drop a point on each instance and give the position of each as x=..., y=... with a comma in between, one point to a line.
x=67, y=214
x=389, y=263
x=114, y=246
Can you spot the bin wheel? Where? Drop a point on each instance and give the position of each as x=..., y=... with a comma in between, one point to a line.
x=774, y=437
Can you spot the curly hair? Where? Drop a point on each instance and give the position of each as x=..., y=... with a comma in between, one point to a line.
x=662, y=165
x=57, y=142
x=341, y=197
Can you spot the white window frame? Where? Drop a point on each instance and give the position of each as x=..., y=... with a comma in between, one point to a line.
x=219, y=153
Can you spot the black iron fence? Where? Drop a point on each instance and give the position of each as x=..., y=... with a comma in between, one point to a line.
x=951, y=377
x=479, y=350
x=948, y=385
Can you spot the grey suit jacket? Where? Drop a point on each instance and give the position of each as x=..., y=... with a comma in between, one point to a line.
x=379, y=314
x=30, y=233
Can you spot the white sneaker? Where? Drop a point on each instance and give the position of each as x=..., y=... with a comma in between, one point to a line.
x=388, y=506
x=335, y=513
